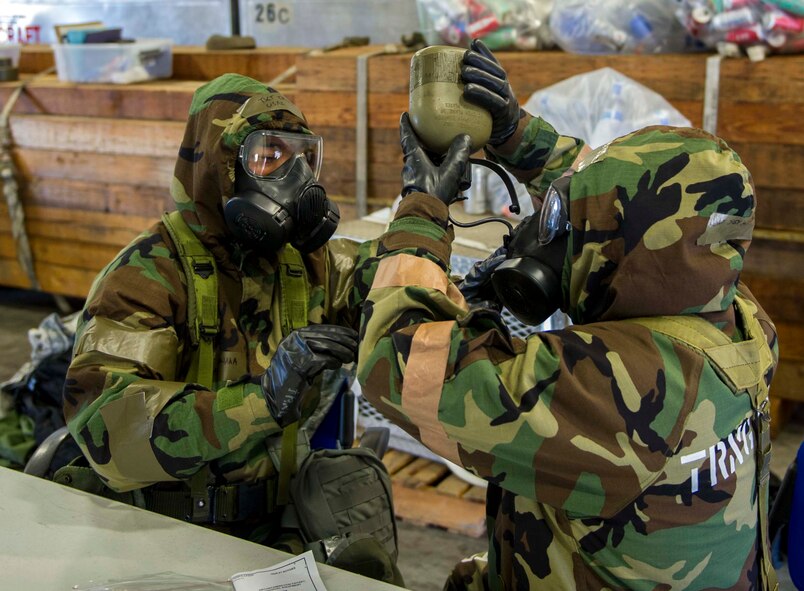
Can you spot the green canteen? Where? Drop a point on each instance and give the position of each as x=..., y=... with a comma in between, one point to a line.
x=438, y=111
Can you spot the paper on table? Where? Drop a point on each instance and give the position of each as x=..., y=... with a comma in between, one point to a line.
x=298, y=573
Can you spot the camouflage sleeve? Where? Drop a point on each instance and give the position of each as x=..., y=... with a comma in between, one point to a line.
x=561, y=417
x=537, y=154
x=331, y=271
x=344, y=301
x=125, y=400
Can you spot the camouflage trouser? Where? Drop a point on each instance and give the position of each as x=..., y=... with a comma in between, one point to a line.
x=470, y=574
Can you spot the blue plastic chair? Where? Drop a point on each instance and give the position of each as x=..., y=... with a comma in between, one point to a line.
x=786, y=521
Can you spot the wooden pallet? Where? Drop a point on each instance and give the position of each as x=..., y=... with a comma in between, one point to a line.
x=427, y=493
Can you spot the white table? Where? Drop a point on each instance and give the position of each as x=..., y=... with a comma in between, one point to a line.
x=53, y=537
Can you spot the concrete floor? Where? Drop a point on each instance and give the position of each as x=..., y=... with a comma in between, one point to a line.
x=427, y=554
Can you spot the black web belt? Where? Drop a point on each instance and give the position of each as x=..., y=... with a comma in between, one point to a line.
x=228, y=503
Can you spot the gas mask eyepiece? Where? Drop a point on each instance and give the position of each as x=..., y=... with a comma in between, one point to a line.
x=554, y=214
x=277, y=198
x=264, y=153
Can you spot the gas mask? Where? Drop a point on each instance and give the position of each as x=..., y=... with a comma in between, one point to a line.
x=277, y=198
x=528, y=283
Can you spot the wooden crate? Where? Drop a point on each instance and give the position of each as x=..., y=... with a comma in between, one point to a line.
x=194, y=62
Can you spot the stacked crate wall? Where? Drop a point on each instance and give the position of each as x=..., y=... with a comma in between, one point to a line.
x=96, y=160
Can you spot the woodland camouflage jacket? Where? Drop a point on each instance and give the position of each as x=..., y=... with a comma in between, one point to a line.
x=126, y=399
x=616, y=457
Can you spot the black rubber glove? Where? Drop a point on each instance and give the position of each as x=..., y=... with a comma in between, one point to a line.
x=299, y=358
x=486, y=85
x=476, y=286
x=419, y=173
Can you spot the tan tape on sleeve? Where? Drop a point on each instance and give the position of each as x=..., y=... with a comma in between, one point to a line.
x=454, y=294
x=133, y=461
x=155, y=348
x=424, y=380
x=404, y=269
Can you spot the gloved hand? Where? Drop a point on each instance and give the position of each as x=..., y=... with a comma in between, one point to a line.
x=476, y=286
x=299, y=358
x=486, y=85
x=419, y=173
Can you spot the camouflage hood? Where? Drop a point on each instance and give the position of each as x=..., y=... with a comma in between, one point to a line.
x=223, y=112
x=661, y=220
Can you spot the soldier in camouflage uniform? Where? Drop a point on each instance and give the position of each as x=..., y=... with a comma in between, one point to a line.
x=617, y=456
x=140, y=420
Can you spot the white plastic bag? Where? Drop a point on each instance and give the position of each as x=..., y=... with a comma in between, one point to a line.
x=618, y=26
x=601, y=105
x=164, y=581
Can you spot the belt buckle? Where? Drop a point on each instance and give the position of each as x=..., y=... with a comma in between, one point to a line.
x=238, y=502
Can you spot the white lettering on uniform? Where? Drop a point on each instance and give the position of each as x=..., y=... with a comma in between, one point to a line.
x=694, y=457
x=718, y=453
x=713, y=464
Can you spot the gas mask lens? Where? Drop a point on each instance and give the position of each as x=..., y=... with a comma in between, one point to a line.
x=554, y=215
x=264, y=152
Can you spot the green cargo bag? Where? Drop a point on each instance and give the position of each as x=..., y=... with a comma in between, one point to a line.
x=345, y=511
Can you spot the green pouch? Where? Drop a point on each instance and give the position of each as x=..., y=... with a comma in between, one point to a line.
x=345, y=511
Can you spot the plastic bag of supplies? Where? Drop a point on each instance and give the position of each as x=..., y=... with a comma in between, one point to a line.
x=618, y=26
x=757, y=27
x=501, y=24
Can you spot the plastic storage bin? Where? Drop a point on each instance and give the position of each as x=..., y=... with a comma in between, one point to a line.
x=120, y=63
x=11, y=50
